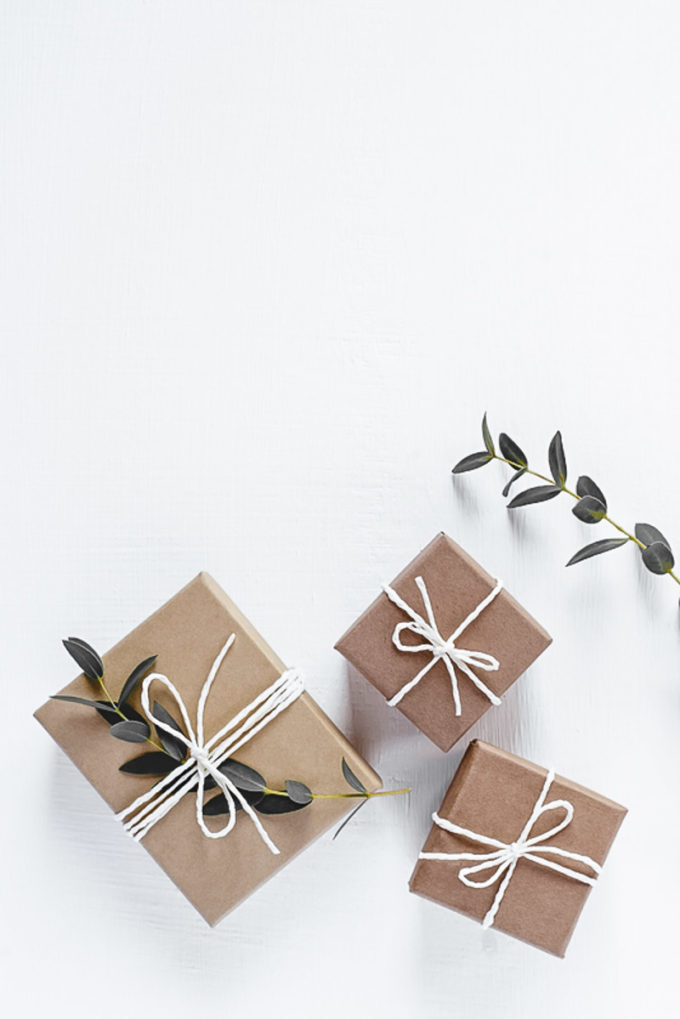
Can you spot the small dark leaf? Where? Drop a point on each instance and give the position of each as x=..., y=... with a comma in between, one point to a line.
x=103, y=707
x=218, y=804
x=557, y=459
x=648, y=534
x=131, y=713
x=586, y=486
x=131, y=732
x=349, y=817
x=173, y=746
x=85, y=657
x=540, y=493
x=242, y=776
x=589, y=509
x=486, y=434
x=134, y=678
x=272, y=804
x=155, y=763
x=298, y=792
x=658, y=558
x=516, y=476
x=511, y=451
x=472, y=462
x=597, y=548
x=351, y=778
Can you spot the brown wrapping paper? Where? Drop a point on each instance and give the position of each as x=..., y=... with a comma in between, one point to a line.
x=493, y=793
x=301, y=743
x=456, y=585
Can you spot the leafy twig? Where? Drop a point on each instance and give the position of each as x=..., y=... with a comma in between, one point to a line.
x=127, y=724
x=591, y=505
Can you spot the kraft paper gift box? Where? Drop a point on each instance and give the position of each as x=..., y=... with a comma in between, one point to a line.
x=300, y=743
x=493, y=794
x=456, y=586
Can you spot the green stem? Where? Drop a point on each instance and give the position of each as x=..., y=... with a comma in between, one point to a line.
x=551, y=481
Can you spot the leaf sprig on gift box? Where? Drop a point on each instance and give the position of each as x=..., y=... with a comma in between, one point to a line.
x=591, y=504
x=127, y=724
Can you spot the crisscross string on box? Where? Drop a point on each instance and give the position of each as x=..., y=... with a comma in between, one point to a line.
x=205, y=756
x=505, y=856
x=442, y=648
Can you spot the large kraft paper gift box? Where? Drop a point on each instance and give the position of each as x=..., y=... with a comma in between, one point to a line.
x=494, y=795
x=301, y=743
x=456, y=586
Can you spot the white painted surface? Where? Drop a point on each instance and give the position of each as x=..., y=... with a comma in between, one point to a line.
x=263, y=267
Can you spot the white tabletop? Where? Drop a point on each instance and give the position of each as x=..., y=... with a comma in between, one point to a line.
x=264, y=266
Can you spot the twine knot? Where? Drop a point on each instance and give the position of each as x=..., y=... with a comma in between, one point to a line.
x=442, y=648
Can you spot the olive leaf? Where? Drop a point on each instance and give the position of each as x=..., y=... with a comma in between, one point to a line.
x=472, y=462
x=349, y=817
x=648, y=534
x=511, y=451
x=586, y=486
x=557, y=459
x=658, y=558
x=243, y=777
x=218, y=804
x=486, y=435
x=103, y=707
x=154, y=763
x=133, y=679
x=85, y=657
x=173, y=746
x=351, y=778
x=131, y=732
x=515, y=477
x=540, y=493
x=298, y=792
x=589, y=509
x=273, y=804
x=597, y=548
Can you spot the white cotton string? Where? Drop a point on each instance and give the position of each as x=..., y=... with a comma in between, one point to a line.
x=505, y=856
x=205, y=757
x=442, y=648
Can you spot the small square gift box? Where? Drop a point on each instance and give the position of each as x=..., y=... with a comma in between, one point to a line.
x=443, y=641
x=236, y=770
x=516, y=846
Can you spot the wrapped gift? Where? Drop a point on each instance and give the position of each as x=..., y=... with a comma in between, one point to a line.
x=516, y=846
x=221, y=710
x=443, y=641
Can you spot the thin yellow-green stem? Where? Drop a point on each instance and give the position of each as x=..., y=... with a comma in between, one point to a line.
x=551, y=481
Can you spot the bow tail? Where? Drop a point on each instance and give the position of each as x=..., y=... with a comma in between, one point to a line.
x=231, y=792
x=498, y=897
x=482, y=687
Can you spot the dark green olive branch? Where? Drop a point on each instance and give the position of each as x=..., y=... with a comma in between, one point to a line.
x=568, y=491
x=591, y=504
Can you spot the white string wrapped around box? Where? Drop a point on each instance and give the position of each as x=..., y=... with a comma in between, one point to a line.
x=206, y=756
x=442, y=648
x=505, y=856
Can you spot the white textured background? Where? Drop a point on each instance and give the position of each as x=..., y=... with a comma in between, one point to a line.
x=263, y=266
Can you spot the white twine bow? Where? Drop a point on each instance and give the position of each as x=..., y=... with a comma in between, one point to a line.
x=206, y=756
x=442, y=648
x=505, y=857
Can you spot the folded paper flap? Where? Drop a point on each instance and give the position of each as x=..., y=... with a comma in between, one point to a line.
x=456, y=586
x=493, y=794
x=301, y=743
